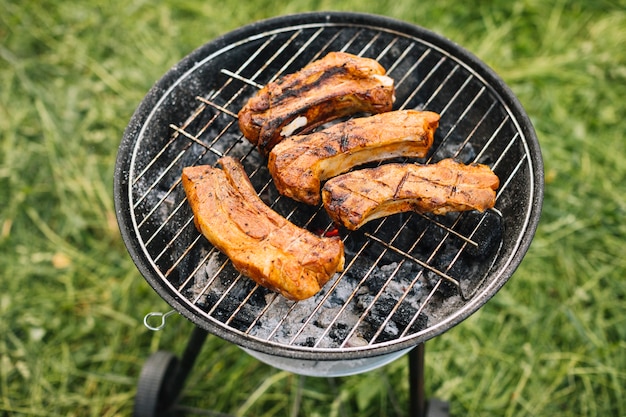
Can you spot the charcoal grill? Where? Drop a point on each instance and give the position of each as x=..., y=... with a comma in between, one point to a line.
x=408, y=277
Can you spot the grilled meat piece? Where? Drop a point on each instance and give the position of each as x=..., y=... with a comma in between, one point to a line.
x=261, y=244
x=337, y=85
x=300, y=163
x=357, y=197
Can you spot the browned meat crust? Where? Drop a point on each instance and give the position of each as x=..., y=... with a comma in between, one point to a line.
x=357, y=197
x=337, y=85
x=300, y=163
x=261, y=244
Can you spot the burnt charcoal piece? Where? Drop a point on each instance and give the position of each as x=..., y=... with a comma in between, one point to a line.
x=339, y=332
x=243, y=319
x=447, y=288
x=309, y=342
x=405, y=313
x=488, y=235
x=250, y=310
x=378, y=314
x=420, y=323
x=433, y=234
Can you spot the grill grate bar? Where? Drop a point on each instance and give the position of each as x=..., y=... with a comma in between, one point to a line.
x=419, y=312
x=371, y=238
x=396, y=307
x=253, y=57
x=197, y=268
x=411, y=70
x=404, y=294
x=448, y=229
x=209, y=283
x=167, y=195
x=472, y=132
x=506, y=150
x=441, y=86
x=326, y=296
x=423, y=83
x=348, y=300
x=469, y=296
x=169, y=218
x=323, y=48
x=226, y=293
x=180, y=258
x=176, y=183
x=194, y=115
x=380, y=292
x=463, y=114
x=196, y=140
x=421, y=263
x=158, y=179
x=279, y=51
x=369, y=44
x=456, y=95
x=386, y=50
x=241, y=304
x=180, y=131
x=505, y=185
x=349, y=43
x=283, y=318
x=161, y=152
x=217, y=106
x=443, y=276
x=240, y=78
x=273, y=298
x=492, y=138
x=401, y=58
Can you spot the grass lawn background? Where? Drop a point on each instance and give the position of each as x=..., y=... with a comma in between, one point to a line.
x=552, y=342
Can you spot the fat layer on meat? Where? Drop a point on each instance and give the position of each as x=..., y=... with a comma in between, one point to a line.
x=300, y=163
x=339, y=84
x=359, y=196
x=261, y=244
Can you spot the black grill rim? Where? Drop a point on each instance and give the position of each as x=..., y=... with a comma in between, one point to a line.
x=143, y=111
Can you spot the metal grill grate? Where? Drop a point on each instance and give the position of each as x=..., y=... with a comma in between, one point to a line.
x=408, y=277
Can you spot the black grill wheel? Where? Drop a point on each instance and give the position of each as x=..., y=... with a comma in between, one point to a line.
x=156, y=390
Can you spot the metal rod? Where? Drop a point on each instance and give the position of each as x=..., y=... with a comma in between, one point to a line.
x=187, y=360
x=417, y=397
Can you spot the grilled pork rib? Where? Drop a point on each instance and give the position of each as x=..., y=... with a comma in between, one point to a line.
x=337, y=85
x=300, y=163
x=357, y=197
x=261, y=244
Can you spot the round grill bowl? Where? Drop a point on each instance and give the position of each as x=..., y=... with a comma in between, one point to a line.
x=408, y=277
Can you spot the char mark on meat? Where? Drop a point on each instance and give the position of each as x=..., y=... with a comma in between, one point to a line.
x=300, y=163
x=338, y=85
x=261, y=244
x=359, y=196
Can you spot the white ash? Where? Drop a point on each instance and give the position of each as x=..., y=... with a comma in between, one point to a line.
x=203, y=276
x=349, y=315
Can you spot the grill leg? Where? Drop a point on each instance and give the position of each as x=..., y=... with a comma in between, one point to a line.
x=198, y=336
x=417, y=399
x=163, y=377
x=418, y=407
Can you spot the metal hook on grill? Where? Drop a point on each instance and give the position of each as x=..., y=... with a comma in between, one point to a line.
x=163, y=317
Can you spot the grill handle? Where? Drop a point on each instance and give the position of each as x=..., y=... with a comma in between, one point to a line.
x=163, y=316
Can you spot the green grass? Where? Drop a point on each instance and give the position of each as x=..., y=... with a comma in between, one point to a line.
x=552, y=342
